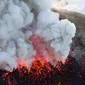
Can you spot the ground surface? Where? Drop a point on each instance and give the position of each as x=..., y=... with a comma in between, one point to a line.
x=45, y=74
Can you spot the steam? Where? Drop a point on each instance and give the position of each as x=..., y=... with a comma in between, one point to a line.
x=32, y=30
x=58, y=32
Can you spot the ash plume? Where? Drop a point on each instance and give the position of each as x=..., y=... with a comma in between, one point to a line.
x=30, y=30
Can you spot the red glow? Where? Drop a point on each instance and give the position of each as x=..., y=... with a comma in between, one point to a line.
x=39, y=67
x=42, y=64
x=41, y=47
x=22, y=63
x=43, y=73
x=39, y=64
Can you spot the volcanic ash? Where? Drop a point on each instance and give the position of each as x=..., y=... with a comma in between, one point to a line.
x=30, y=30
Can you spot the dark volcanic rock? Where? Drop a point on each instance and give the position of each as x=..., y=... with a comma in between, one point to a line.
x=78, y=49
x=69, y=73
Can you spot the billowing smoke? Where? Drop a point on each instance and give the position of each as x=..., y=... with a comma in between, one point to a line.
x=30, y=30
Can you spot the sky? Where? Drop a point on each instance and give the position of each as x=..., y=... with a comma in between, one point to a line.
x=73, y=5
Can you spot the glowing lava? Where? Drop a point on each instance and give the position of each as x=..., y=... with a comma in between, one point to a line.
x=40, y=67
x=43, y=73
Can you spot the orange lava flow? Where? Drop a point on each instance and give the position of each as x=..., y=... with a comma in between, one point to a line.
x=39, y=67
x=40, y=64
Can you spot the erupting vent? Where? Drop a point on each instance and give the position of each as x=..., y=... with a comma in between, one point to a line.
x=43, y=73
x=32, y=29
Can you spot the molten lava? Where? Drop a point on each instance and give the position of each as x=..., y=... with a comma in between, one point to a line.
x=43, y=73
x=40, y=69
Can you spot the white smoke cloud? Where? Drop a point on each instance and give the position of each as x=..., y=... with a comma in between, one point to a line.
x=7, y=62
x=52, y=37
x=60, y=33
x=41, y=4
x=12, y=41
